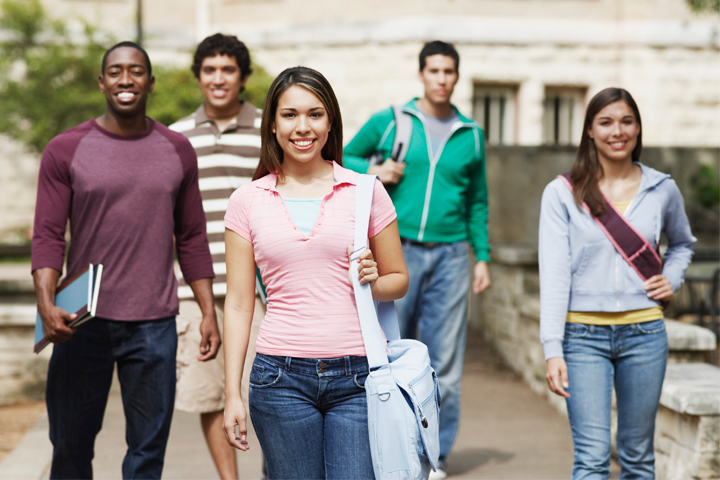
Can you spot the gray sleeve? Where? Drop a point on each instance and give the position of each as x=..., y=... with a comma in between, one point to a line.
x=555, y=269
x=680, y=238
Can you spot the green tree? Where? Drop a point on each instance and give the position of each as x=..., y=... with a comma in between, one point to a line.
x=704, y=5
x=48, y=79
x=257, y=86
x=177, y=94
x=48, y=83
x=705, y=185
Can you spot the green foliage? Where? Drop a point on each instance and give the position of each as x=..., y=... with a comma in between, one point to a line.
x=58, y=88
x=704, y=5
x=257, y=86
x=49, y=78
x=23, y=18
x=177, y=94
x=706, y=186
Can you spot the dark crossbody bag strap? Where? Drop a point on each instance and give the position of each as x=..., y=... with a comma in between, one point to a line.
x=633, y=247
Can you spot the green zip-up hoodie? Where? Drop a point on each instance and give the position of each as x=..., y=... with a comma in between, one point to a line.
x=441, y=198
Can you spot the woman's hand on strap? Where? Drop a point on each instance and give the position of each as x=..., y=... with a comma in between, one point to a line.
x=367, y=267
x=235, y=415
x=658, y=287
x=556, y=375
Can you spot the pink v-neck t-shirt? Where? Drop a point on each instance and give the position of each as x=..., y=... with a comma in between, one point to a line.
x=311, y=310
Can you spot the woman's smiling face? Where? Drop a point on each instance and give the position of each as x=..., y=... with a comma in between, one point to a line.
x=301, y=125
x=615, y=130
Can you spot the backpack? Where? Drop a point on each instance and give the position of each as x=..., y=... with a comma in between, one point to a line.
x=403, y=134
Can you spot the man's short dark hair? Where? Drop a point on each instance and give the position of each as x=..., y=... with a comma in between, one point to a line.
x=439, y=48
x=131, y=45
x=220, y=44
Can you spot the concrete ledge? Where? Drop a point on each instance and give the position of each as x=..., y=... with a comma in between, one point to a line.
x=22, y=372
x=17, y=286
x=687, y=429
x=688, y=422
x=681, y=336
x=515, y=255
x=692, y=388
x=17, y=315
x=530, y=308
x=684, y=337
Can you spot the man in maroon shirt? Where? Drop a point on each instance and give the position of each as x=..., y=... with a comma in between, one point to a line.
x=129, y=187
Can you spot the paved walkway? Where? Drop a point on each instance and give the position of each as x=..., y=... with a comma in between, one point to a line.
x=507, y=432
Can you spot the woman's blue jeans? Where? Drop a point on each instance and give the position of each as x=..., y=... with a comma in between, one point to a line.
x=310, y=416
x=631, y=358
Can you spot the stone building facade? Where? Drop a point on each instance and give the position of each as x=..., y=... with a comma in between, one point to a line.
x=528, y=67
x=18, y=187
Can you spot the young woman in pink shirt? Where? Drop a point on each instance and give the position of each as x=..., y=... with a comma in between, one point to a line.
x=295, y=221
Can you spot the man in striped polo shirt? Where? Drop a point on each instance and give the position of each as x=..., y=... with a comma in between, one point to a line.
x=225, y=133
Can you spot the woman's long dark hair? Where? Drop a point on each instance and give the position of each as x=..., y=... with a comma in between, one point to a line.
x=587, y=171
x=271, y=155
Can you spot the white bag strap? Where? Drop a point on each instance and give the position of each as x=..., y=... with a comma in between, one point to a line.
x=369, y=324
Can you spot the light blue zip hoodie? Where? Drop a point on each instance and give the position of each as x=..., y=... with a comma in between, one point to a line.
x=581, y=271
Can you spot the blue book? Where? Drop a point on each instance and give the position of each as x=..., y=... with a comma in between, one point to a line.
x=77, y=295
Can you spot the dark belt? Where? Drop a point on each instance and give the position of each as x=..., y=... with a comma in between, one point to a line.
x=415, y=243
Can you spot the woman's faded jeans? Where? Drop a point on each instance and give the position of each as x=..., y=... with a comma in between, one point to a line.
x=631, y=358
x=310, y=415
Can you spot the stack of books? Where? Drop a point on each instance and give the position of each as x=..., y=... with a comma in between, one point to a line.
x=77, y=295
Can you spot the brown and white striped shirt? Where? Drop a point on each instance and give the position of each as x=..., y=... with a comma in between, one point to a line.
x=226, y=161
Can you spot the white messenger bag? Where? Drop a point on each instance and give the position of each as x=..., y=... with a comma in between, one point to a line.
x=402, y=388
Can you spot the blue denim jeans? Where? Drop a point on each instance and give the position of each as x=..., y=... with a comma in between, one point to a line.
x=631, y=358
x=434, y=310
x=78, y=383
x=310, y=416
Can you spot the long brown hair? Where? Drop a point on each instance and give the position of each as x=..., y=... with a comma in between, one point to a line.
x=587, y=171
x=271, y=155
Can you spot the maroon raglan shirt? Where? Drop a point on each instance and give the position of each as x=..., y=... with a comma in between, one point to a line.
x=125, y=196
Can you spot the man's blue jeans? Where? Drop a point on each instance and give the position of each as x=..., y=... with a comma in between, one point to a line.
x=632, y=358
x=79, y=379
x=310, y=416
x=434, y=310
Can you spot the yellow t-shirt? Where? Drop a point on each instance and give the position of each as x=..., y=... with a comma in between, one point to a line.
x=616, y=318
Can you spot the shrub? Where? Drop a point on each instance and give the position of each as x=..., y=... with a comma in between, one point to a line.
x=706, y=186
x=177, y=94
x=48, y=77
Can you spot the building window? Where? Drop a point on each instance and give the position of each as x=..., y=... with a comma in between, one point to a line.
x=494, y=108
x=563, y=119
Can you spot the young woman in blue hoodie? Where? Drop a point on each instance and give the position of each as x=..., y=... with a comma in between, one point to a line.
x=601, y=324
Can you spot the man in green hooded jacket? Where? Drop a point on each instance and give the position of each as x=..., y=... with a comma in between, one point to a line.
x=440, y=195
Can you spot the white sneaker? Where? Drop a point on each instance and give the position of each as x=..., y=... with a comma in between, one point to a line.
x=438, y=474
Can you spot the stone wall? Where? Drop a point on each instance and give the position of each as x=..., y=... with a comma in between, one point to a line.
x=370, y=75
x=687, y=433
x=508, y=315
x=517, y=177
x=22, y=372
x=18, y=188
x=663, y=53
